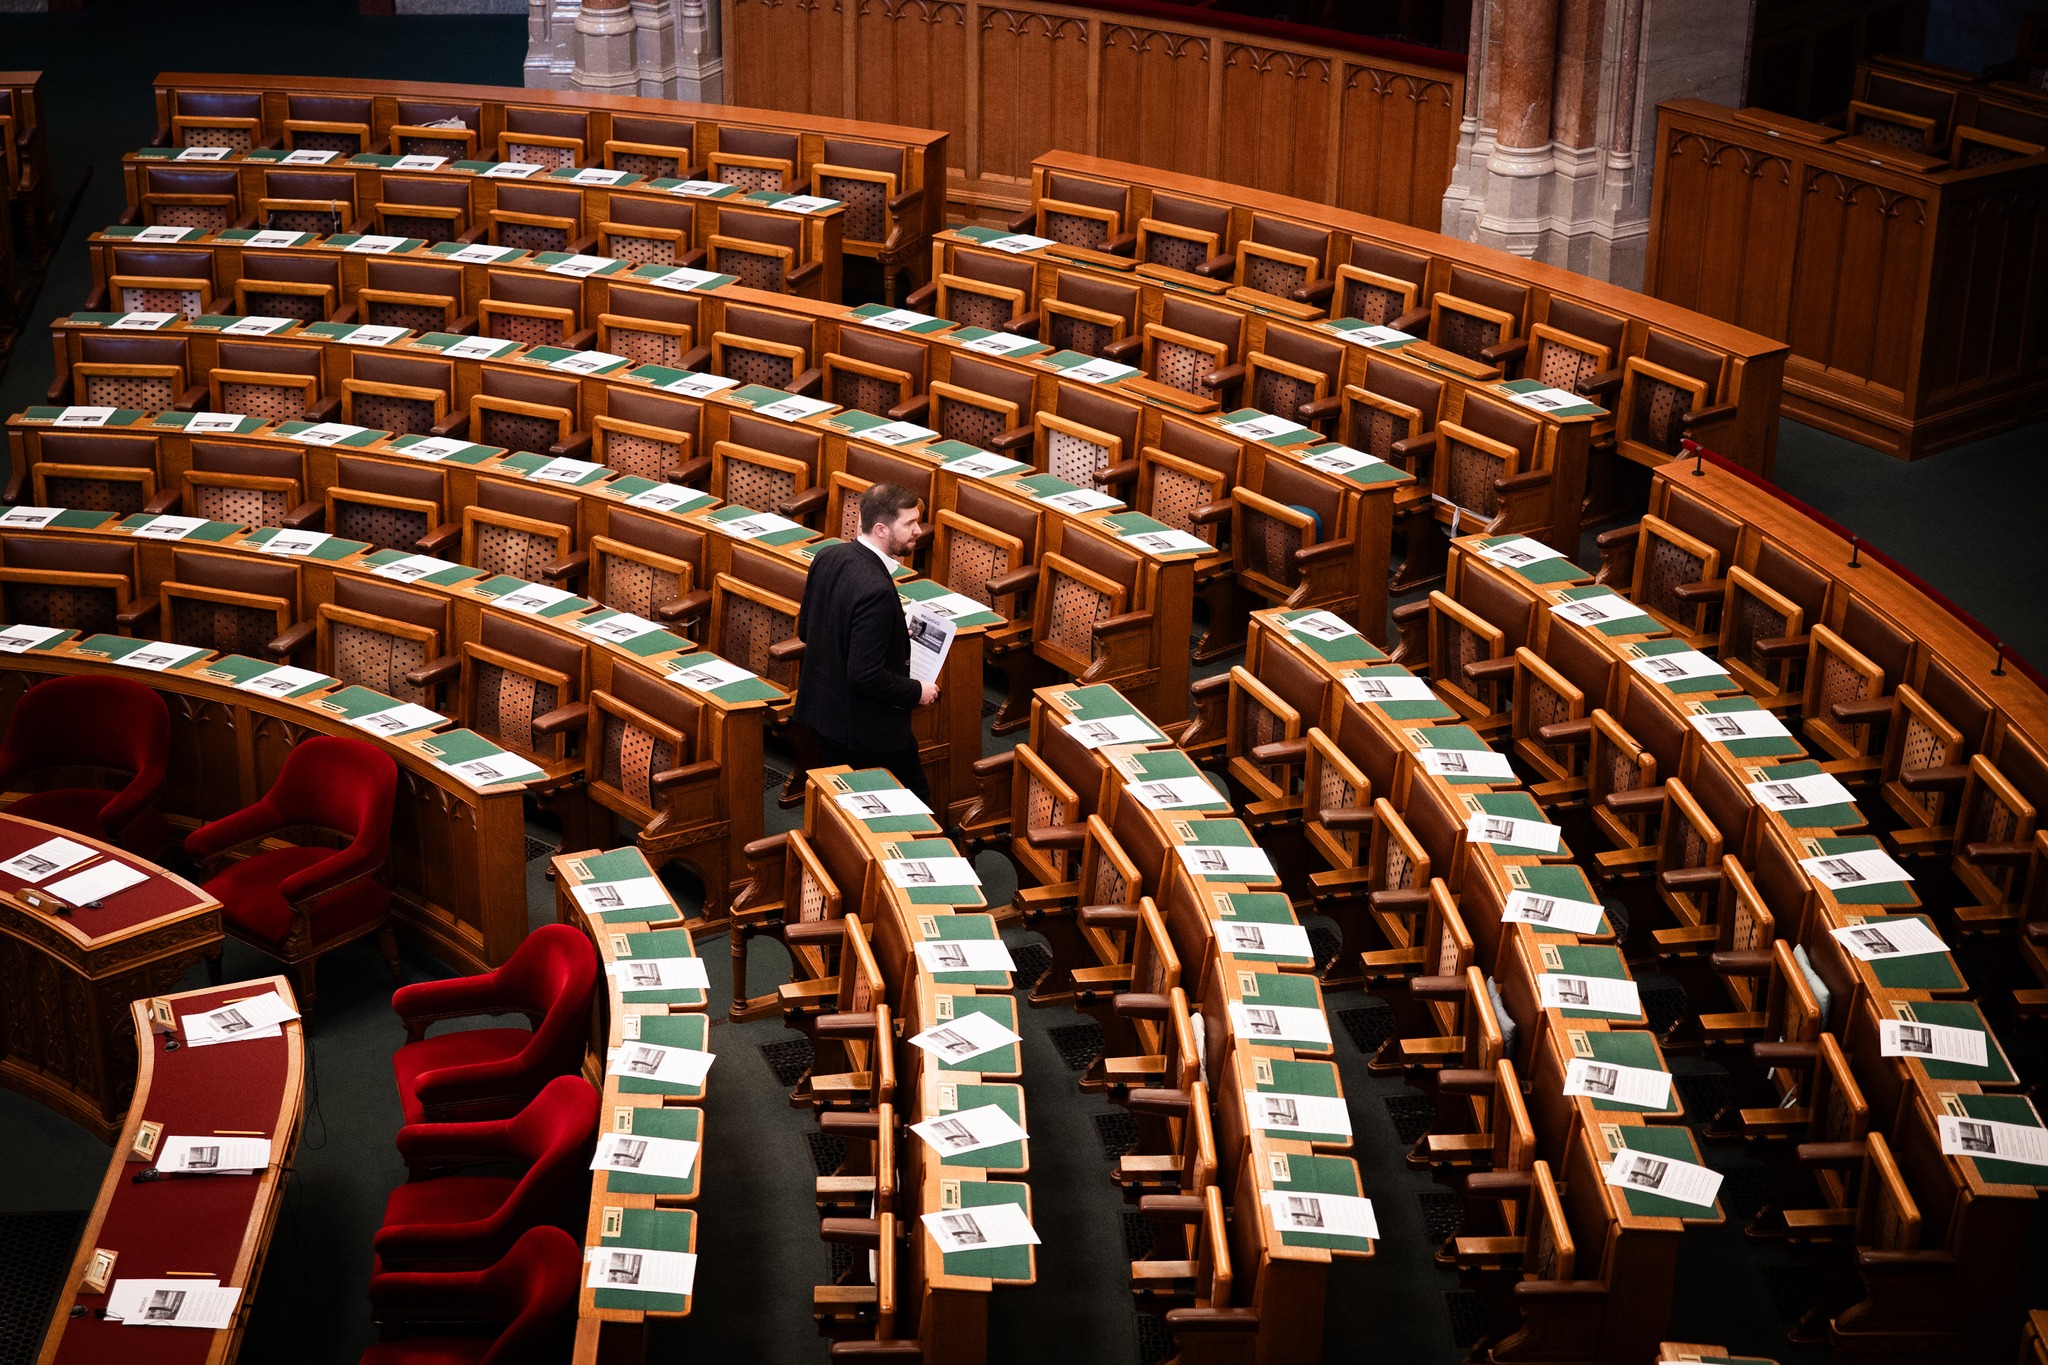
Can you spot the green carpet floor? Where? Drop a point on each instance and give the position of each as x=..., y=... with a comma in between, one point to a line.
x=1961, y=520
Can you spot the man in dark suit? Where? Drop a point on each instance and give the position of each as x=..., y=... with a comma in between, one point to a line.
x=855, y=692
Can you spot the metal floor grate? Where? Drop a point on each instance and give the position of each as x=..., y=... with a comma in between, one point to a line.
x=36, y=1250
x=1155, y=1343
x=1443, y=1213
x=540, y=848
x=1079, y=1044
x=1033, y=961
x=1139, y=1235
x=1117, y=1132
x=828, y=1152
x=1412, y=1115
x=1468, y=1316
x=1369, y=1025
x=789, y=1061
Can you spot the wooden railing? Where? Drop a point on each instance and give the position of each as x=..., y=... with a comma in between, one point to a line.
x=1366, y=126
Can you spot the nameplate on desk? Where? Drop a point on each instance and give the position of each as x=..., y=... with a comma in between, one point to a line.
x=149, y=1135
x=99, y=1272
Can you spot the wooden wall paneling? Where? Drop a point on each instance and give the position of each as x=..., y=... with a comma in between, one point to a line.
x=1033, y=86
x=906, y=63
x=787, y=54
x=1276, y=119
x=1397, y=137
x=1154, y=97
x=1986, y=305
x=1856, y=280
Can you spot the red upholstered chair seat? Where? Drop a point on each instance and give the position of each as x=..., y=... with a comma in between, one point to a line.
x=550, y=978
x=299, y=901
x=463, y=1220
x=450, y=1051
x=112, y=724
x=524, y=1307
x=256, y=909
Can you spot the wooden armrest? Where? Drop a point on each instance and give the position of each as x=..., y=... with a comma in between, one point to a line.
x=1396, y=901
x=1316, y=291
x=1209, y=513
x=1926, y=1261
x=1864, y=711
x=574, y=716
x=1498, y=1184
x=1109, y=918
x=1328, y=549
x=1170, y=1208
x=1124, y=624
x=1516, y=483
x=1747, y=962
x=844, y=1025
x=1437, y=987
x=1345, y=818
x=803, y=504
x=1949, y=777
x=1132, y=1005
x=435, y=671
x=1782, y=646
x=1620, y=535
x=2000, y=854
x=568, y=567
x=1690, y=878
x=1798, y=1056
x=1017, y=580
x=848, y=1123
x=1411, y=611
x=1481, y=670
x=1706, y=590
x=1460, y=1081
x=1216, y=686
x=995, y=763
x=1565, y=1290
x=1600, y=385
x=1700, y=417
x=1572, y=733
x=675, y=777
x=826, y=931
x=1286, y=753
x=1057, y=836
x=1634, y=802
x=1236, y=1320
x=1170, y=1104
x=785, y=651
x=1503, y=352
x=1830, y=1153
x=1113, y=475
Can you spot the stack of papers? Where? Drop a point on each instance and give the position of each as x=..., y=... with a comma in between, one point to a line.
x=194, y=1302
x=46, y=859
x=213, y=1155
x=259, y=1016
x=97, y=883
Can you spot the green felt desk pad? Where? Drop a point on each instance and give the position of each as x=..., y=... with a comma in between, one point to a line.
x=1642, y=623
x=1429, y=709
x=649, y=1230
x=1521, y=806
x=1768, y=746
x=329, y=550
x=659, y=943
x=1004, y=1061
x=1013, y=1265
x=1287, y=990
x=679, y=1123
x=1624, y=1047
x=1297, y=1077
x=692, y=1031
x=1563, y=881
x=1219, y=832
x=1671, y=1140
x=440, y=578
x=1935, y=972
x=964, y=929
x=1591, y=959
x=1099, y=702
x=2014, y=1109
x=1315, y=1174
x=1010, y=1158
x=739, y=690
x=1543, y=572
x=1886, y=895
x=1345, y=649
x=1962, y=1014
x=235, y=669
x=944, y=897
x=880, y=780
x=1840, y=815
x=214, y=531
x=1164, y=765
x=1651, y=649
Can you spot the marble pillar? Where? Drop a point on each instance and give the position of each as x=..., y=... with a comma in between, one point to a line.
x=604, y=47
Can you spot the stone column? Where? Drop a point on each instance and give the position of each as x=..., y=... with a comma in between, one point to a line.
x=654, y=43
x=604, y=48
x=1516, y=180
x=700, y=53
x=550, y=49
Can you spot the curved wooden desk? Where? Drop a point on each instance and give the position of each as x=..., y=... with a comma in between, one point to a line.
x=64, y=1014
x=219, y=1225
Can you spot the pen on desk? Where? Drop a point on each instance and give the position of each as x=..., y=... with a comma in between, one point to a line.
x=238, y=1132
x=193, y=1274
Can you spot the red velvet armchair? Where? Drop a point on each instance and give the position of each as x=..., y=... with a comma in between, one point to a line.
x=445, y=1317
x=301, y=901
x=451, y=1221
x=490, y=1073
x=110, y=724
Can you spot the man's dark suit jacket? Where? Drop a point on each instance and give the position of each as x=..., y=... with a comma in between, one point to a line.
x=855, y=687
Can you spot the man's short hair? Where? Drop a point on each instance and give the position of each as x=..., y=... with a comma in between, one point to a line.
x=881, y=502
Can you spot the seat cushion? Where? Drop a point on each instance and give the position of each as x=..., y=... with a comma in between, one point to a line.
x=429, y=1351
x=463, y=1047
x=451, y=1199
x=74, y=808
x=257, y=912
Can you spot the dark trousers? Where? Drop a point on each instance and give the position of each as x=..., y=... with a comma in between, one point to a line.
x=901, y=762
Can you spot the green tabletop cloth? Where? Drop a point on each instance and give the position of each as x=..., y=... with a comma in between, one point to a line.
x=236, y=669
x=1426, y=709
x=1630, y=1047
x=1544, y=571
x=691, y=1031
x=1673, y=1140
x=1014, y=1264
x=1888, y=895
x=879, y=780
x=945, y=897
x=680, y=1123
x=2013, y=1109
x=1285, y=990
x=660, y=943
x=649, y=1230
x=1009, y=1158
x=1005, y=1061
x=1996, y=1071
x=964, y=929
x=1296, y=1077
x=1593, y=959
x=1651, y=649
x=1841, y=815
x=1320, y=1175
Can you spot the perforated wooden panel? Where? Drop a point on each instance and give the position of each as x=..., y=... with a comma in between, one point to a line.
x=866, y=218
x=1370, y=303
x=1469, y=476
x=749, y=177
x=265, y=304
x=1180, y=367
x=758, y=367
x=642, y=455
x=1753, y=620
x=1281, y=393
x=1397, y=869
x=184, y=302
x=504, y=705
x=867, y=394
x=1888, y=133
x=631, y=758
x=1467, y=335
x=1074, y=459
x=971, y=563
x=311, y=140
x=849, y=514
x=1175, y=497
x=96, y=495
x=1269, y=546
x=1377, y=430
x=150, y=393
x=1111, y=886
x=1668, y=568
x=419, y=317
x=971, y=309
x=256, y=506
x=419, y=144
x=1658, y=408
x=1269, y=276
x=532, y=154
x=646, y=348
x=1041, y=807
x=272, y=402
x=528, y=331
x=193, y=135
x=319, y=221
x=1078, y=334
x=387, y=528
x=533, y=237
x=430, y=229
x=640, y=250
x=1563, y=367
x=750, y=627
x=965, y=422
x=390, y=412
x=630, y=586
x=221, y=626
x=518, y=431
x=210, y=217
x=373, y=659
x=504, y=549
x=1335, y=792
x=647, y=164
x=1924, y=748
x=1461, y=647
x=1076, y=607
x=756, y=269
x=90, y=611
x=757, y=485
x=1175, y=253
x=1075, y=229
